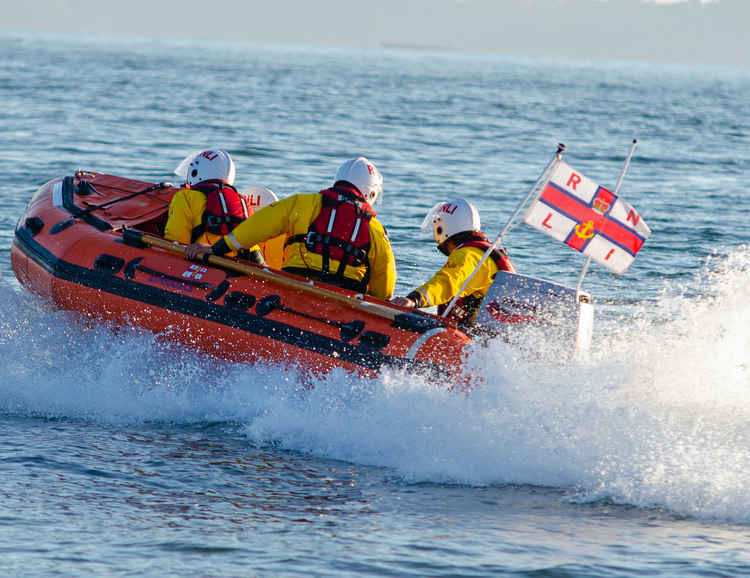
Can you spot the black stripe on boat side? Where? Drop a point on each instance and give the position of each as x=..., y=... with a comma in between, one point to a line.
x=68, y=187
x=289, y=334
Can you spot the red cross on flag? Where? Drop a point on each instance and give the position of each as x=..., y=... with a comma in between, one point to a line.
x=589, y=218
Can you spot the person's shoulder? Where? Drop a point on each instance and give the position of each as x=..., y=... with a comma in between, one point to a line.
x=378, y=227
x=374, y=222
x=184, y=196
x=466, y=252
x=190, y=194
x=297, y=199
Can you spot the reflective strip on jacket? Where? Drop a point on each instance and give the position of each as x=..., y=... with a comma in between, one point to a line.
x=293, y=216
x=448, y=280
x=185, y=214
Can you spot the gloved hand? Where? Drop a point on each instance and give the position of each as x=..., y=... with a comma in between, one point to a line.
x=195, y=249
x=404, y=302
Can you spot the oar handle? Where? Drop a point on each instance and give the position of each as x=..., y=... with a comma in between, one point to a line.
x=309, y=287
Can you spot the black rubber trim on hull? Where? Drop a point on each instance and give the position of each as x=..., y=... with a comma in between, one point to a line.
x=68, y=188
x=229, y=316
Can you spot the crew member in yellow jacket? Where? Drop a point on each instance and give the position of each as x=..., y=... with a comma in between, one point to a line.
x=333, y=235
x=456, y=230
x=208, y=207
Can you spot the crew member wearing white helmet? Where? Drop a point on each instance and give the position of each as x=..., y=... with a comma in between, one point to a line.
x=208, y=206
x=457, y=231
x=333, y=235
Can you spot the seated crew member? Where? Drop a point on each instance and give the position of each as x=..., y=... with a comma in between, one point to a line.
x=208, y=206
x=456, y=230
x=333, y=235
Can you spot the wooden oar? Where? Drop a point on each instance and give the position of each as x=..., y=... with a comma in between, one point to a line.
x=309, y=287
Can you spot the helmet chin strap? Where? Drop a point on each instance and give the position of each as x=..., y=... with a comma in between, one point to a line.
x=447, y=246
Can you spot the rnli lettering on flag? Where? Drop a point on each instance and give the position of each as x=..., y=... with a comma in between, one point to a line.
x=588, y=218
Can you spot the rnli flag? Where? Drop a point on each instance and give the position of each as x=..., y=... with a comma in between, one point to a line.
x=589, y=218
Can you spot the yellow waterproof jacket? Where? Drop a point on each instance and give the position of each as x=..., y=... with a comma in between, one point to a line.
x=293, y=216
x=448, y=280
x=185, y=213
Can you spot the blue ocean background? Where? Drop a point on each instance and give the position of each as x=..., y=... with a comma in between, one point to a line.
x=121, y=454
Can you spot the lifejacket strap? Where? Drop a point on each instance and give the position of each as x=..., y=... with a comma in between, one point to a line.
x=312, y=238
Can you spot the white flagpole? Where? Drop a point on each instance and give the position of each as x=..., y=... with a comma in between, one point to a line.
x=617, y=188
x=557, y=158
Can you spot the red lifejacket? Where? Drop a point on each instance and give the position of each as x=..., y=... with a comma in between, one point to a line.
x=499, y=256
x=225, y=209
x=341, y=232
x=466, y=307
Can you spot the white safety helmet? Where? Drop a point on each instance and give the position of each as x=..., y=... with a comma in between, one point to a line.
x=259, y=197
x=208, y=165
x=447, y=219
x=361, y=173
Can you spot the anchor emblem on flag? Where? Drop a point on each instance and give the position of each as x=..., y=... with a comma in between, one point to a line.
x=585, y=230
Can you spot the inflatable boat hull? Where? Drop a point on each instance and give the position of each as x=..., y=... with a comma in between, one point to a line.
x=88, y=243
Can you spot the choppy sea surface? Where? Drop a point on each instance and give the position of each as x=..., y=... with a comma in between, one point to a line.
x=124, y=455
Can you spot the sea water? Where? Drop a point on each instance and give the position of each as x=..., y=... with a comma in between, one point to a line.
x=121, y=454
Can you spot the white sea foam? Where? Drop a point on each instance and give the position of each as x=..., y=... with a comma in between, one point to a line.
x=657, y=416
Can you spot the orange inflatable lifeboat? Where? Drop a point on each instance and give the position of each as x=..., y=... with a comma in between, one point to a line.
x=92, y=243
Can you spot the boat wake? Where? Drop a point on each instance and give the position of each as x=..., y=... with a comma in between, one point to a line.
x=655, y=417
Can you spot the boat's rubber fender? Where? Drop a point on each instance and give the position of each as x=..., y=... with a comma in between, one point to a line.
x=34, y=225
x=350, y=330
x=130, y=268
x=415, y=323
x=267, y=304
x=218, y=291
x=109, y=264
x=239, y=301
x=61, y=226
x=374, y=340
